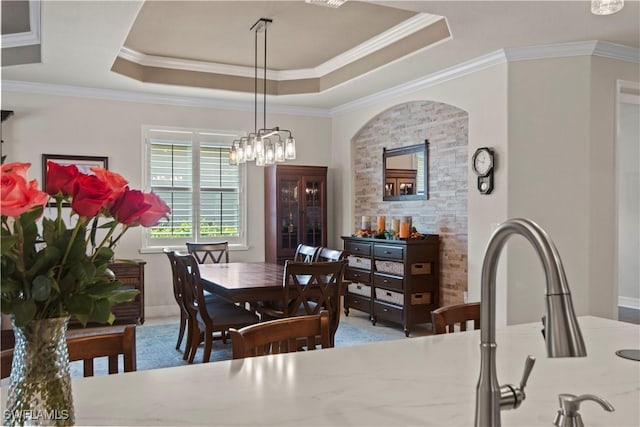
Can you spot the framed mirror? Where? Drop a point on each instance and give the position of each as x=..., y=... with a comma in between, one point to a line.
x=405, y=172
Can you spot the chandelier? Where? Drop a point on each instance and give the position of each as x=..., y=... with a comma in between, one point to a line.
x=266, y=145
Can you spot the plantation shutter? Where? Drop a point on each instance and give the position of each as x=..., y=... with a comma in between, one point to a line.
x=190, y=171
x=219, y=195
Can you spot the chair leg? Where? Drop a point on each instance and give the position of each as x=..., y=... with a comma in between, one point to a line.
x=189, y=343
x=208, y=344
x=195, y=341
x=181, y=332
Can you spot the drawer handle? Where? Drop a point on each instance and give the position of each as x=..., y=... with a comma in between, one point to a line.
x=386, y=310
x=388, y=294
x=356, y=275
x=356, y=249
x=386, y=281
x=387, y=252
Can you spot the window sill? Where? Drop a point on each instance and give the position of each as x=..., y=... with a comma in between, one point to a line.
x=159, y=249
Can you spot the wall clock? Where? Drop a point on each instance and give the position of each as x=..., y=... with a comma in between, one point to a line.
x=482, y=163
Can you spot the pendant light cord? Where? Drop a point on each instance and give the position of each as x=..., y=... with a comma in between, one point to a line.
x=255, y=82
x=264, y=108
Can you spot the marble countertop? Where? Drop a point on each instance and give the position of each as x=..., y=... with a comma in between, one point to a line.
x=426, y=381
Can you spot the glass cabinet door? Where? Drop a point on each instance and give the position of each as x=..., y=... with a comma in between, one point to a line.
x=313, y=209
x=288, y=192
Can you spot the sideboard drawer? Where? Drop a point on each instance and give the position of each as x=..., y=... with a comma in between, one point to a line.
x=389, y=252
x=386, y=311
x=357, y=248
x=357, y=275
x=388, y=282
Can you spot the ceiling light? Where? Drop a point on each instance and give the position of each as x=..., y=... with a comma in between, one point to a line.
x=267, y=145
x=606, y=7
x=327, y=3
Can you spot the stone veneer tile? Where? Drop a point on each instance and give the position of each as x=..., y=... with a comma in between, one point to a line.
x=445, y=213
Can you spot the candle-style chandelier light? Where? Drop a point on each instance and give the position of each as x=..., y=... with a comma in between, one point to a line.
x=267, y=145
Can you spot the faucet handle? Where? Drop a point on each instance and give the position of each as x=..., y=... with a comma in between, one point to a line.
x=568, y=415
x=528, y=367
x=512, y=396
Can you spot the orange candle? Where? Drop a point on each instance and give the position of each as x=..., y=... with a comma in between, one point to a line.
x=381, y=223
x=404, y=230
x=395, y=226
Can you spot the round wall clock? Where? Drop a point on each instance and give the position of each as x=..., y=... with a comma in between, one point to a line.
x=482, y=163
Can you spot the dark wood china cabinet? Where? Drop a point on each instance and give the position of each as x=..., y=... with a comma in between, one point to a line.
x=295, y=209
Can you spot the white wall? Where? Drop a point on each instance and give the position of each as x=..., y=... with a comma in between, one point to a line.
x=80, y=126
x=548, y=177
x=629, y=205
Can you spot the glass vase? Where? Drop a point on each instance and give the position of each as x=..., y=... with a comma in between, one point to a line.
x=40, y=383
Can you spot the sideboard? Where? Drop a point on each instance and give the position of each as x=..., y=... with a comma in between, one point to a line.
x=394, y=280
x=131, y=274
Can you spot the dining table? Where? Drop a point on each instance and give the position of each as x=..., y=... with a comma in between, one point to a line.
x=241, y=282
x=417, y=381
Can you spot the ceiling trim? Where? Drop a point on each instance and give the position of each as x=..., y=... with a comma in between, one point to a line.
x=468, y=67
x=603, y=49
x=153, y=98
x=587, y=48
x=379, y=42
x=26, y=38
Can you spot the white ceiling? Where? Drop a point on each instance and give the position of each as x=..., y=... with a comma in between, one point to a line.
x=81, y=40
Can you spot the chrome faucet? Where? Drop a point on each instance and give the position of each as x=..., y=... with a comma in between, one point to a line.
x=561, y=329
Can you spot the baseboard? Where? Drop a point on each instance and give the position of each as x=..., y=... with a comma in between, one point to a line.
x=160, y=311
x=629, y=302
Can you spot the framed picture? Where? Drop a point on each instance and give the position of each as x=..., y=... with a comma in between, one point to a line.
x=84, y=164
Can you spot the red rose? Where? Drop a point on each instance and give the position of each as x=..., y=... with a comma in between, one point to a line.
x=18, y=195
x=89, y=194
x=60, y=178
x=156, y=212
x=129, y=206
x=114, y=181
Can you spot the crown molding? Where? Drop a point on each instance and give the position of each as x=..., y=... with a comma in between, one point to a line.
x=560, y=50
x=465, y=68
x=153, y=98
x=603, y=49
x=584, y=48
x=398, y=32
x=26, y=38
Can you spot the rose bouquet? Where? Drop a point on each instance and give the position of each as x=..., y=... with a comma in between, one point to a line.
x=53, y=270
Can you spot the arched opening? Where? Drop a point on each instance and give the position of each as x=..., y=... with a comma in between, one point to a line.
x=445, y=212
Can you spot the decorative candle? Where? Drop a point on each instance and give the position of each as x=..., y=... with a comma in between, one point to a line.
x=365, y=223
x=395, y=226
x=405, y=227
x=381, y=223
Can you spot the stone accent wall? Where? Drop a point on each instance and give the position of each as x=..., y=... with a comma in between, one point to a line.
x=445, y=213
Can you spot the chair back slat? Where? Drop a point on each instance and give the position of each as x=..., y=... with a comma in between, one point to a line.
x=301, y=333
x=327, y=254
x=311, y=287
x=90, y=344
x=306, y=253
x=445, y=319
x=209, y=253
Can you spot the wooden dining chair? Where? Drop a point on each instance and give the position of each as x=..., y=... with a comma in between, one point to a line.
x=211, y=317
x=177, y=294
x=309, y=288
x=213, y=253
x=90, y=344
x=110, y=342
x=327, y=254
x=444, y=319
x=306, y=253
x=301, y=333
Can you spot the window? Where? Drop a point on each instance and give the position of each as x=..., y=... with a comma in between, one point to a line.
x=190, y=171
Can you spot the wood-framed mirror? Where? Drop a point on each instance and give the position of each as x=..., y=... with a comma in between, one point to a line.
x=405, y=172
